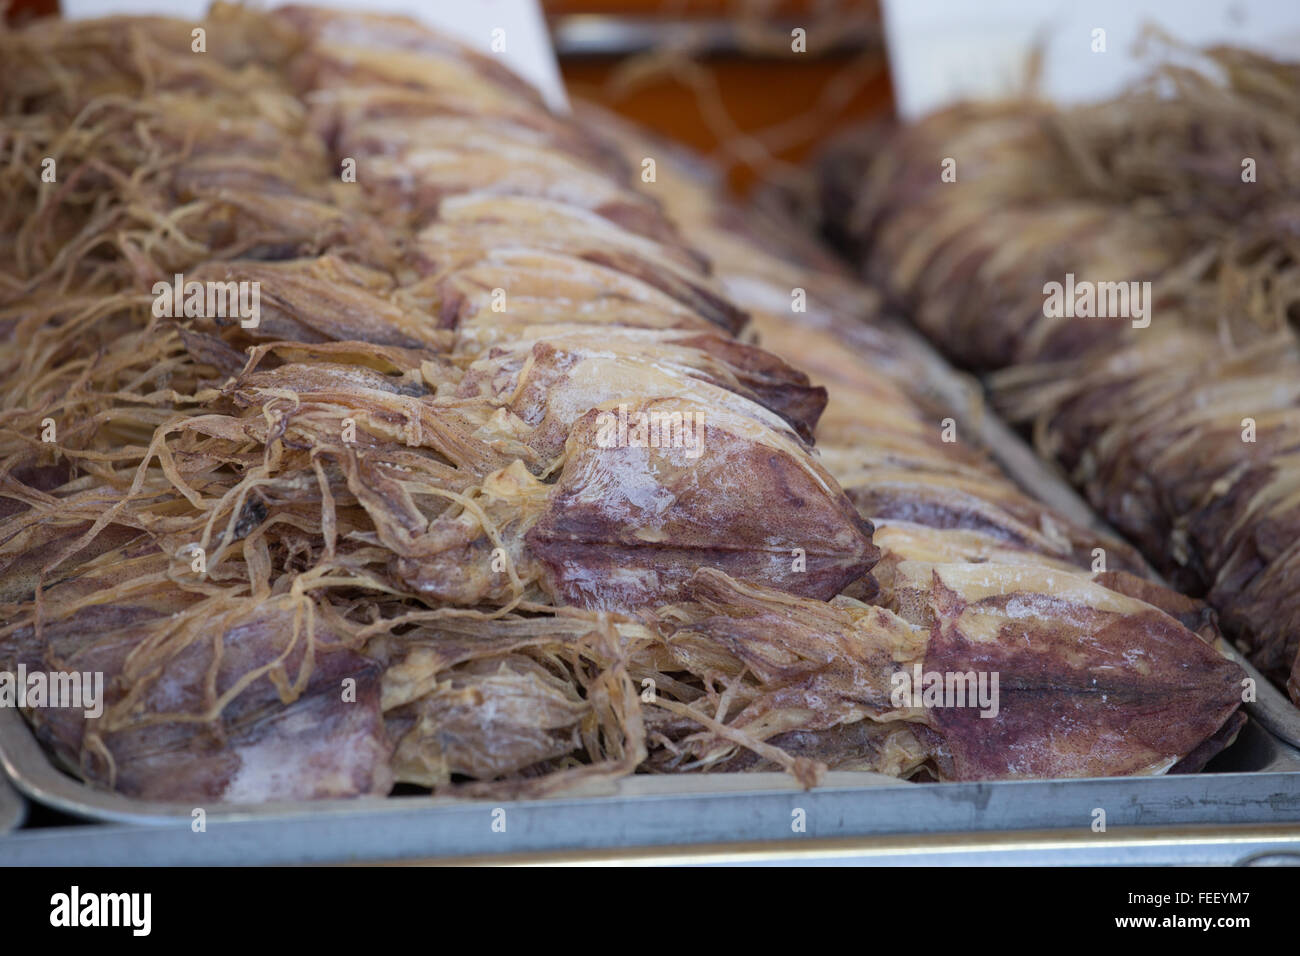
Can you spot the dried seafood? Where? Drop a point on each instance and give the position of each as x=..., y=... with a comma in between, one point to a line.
x=1182, y=427
x=495, y=493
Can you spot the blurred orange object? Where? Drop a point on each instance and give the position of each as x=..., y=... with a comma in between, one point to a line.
x=724, y=77
x=18, y=11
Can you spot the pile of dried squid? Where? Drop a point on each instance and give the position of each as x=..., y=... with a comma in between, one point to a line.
x=1183, y=429
x=378, y=538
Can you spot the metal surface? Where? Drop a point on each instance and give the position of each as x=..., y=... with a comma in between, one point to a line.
x=1236, y=816
x=12, y=808
x=1137, y=846
x=1256, y=751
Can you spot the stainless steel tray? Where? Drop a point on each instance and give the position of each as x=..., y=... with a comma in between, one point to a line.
x=1263, y=787
x=1203, y=818
x=12, y=808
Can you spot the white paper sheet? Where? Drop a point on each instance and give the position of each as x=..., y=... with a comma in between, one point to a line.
x=944, y=50
x=528, y=50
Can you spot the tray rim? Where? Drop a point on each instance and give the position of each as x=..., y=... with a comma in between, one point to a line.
x=1224, y=810
x=13, y=808
x=1237, y=845
x=37, y=777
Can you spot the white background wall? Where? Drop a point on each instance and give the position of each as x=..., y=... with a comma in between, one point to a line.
x=528, y=46
x=941, y=50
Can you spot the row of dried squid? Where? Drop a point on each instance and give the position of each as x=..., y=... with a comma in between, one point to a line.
x=1182, y=425
x=500, y=492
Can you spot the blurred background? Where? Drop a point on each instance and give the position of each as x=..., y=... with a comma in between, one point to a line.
x=729, y=77
x=733, y=80
x=719, y=75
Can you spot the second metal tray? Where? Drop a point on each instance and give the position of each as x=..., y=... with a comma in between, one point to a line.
x=12, y=808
